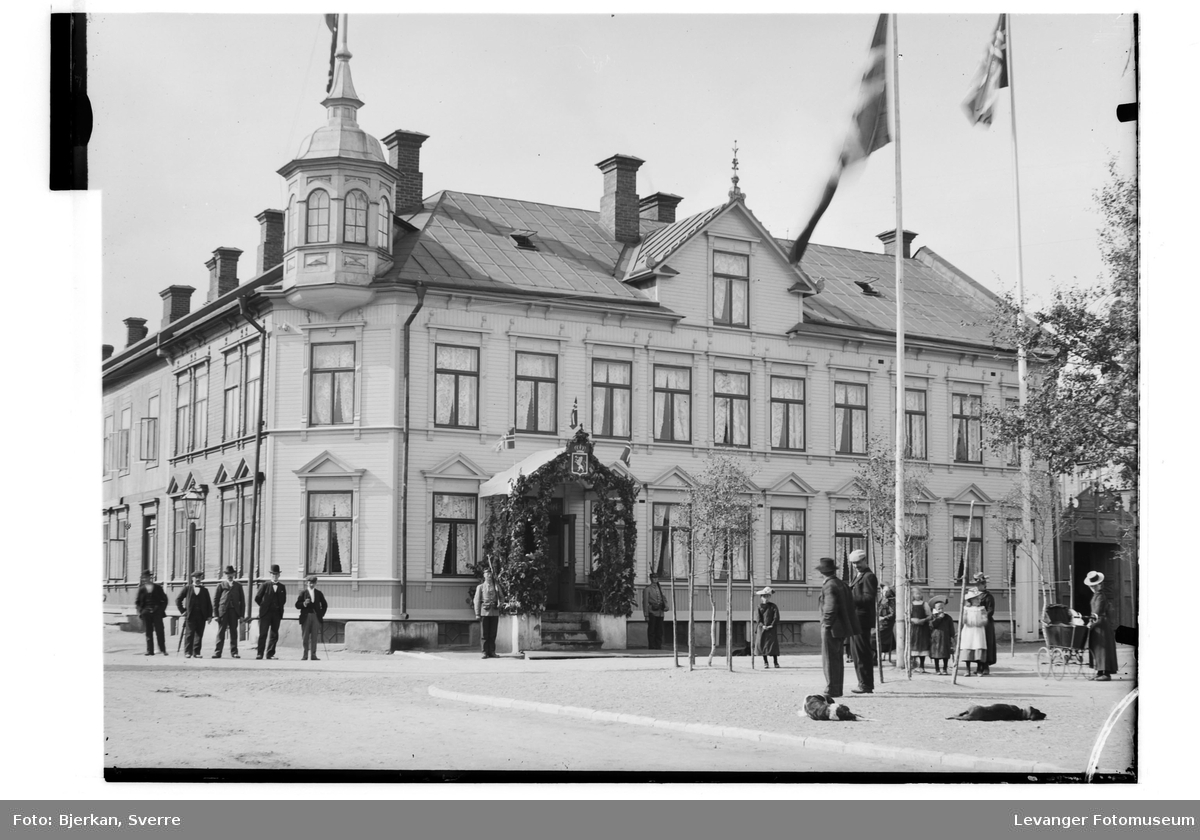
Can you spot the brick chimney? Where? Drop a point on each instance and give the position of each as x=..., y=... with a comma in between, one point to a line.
x=404, y=154
x=659, y=207
x=105, y=351
x=270, y=240
x=888, y=238
x=619, y=204
x=176, y=302
x=222, y=272
x=135, y=330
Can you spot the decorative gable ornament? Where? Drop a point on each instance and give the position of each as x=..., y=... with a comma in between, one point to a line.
x=579, y=451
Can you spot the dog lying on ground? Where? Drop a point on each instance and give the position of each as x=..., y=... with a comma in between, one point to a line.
x=743, y=650
x=824, y=707
x=999, y=711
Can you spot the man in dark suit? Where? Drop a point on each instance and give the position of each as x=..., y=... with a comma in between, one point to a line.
x=838, y=623
x=312, y=606
x=865, y=591
x=195, y=605
x=151, y=604
x=271, y=600
x=229, y=606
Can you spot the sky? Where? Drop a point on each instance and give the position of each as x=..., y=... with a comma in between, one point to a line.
x=195, y=114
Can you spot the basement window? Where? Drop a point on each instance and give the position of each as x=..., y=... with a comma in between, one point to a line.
x=868, y=287
x=524, y=239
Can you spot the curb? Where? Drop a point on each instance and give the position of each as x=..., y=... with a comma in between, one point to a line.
x=860, y=748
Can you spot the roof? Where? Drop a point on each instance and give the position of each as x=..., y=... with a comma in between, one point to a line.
x=657, y=245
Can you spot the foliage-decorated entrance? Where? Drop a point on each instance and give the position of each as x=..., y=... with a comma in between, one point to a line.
x=517, y=542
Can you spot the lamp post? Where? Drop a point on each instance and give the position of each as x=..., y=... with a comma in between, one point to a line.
x=193, y=507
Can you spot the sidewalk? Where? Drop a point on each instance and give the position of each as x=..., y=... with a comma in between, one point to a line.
x=902, y=718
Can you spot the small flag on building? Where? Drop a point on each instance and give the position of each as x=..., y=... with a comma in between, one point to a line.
x=332, y=22
x=507, y=440
x=992, y=75
x=868, y=130
x=575, y=413
x=626, y=454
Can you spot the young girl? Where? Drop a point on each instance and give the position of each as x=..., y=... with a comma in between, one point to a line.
x=973, y=643
x=887, y=621
x=941, y=637
x=918, y=612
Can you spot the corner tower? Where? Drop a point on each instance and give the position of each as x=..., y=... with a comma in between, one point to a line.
x=338, y=221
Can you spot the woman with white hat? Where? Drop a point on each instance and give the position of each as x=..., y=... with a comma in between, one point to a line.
x=1102, y=639
x=972, y=645
x=768, y=631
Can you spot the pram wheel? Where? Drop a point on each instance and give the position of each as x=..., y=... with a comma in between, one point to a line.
x=1058, y=664
x=1043, y=663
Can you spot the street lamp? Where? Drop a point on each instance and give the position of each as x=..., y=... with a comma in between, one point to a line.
x=193, y=504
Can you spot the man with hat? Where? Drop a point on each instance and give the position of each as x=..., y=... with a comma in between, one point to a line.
x=272, y=600
x=838, y=623
x=229, y=606
x=654, y=607
x=312, y=606
x=151, y=604
x=988, y=601
x=768, y=631
x=865, y=591
x=195, y=605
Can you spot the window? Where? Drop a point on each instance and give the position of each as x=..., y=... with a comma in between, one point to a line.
x=291, y=224
x=252, y=365
x=672, y=404
x=968, y=411
x=384, y=225
x=612, y=389
x=332, y=384
x=233, y=395
x=148, y=437
x=669, y=555
x=737, y=556
x=731, y=408
x=237, y=511
x=150, y=541
x=914, y=425
x=916, y=526
x=354, y=223
x=731, y=289
x=109, y=443
x=850, y=418
x=454, y=529
x=787, y=545
x=191, y=409
x=123, y=435
x=329, y=519
x=179, y=540
x=1013, y=452
x=317, y=217
x=537, y=393
x=456, y=386
x=847, y=537
x=974, y=560
x=118, y=527
x=787, y=413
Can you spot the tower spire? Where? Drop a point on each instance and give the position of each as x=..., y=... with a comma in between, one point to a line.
x=735, y=193
x=342, y=102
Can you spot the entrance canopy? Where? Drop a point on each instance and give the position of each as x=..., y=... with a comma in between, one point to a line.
x=501, y=483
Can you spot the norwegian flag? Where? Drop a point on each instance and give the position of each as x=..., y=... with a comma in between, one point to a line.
x=507, y=440
x=332, y=22
x=992, y=75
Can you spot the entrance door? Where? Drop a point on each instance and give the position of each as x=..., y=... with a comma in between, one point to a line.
x=560, y=563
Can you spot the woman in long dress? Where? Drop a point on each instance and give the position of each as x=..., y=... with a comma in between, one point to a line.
x=988, y=601
x=768, y=621
x=918, y=617
x=885, y=627
x=972, y=646
x=1102, y=638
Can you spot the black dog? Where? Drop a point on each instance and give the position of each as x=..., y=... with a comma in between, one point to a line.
x=824, y=707
x=999, y=711
x=744, y=650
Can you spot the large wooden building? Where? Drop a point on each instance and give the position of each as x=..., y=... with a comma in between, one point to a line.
x=404, y=333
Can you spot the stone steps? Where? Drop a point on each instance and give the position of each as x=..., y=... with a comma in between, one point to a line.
x=568, y=632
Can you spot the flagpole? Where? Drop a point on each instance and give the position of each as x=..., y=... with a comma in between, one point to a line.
x=1027, y=621
x=898, y=244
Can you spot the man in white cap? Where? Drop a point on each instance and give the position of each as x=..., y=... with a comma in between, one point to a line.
x=865, y=590
x=768, y=633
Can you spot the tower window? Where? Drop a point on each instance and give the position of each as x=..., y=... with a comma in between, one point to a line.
x=354, y=228
x=318, y=217
x=385, y=224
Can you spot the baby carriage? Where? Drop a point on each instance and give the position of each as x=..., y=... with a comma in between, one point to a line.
x=1066, y=638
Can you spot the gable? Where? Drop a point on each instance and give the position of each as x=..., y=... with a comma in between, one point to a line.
x=970, y=493
x=457, y=465
x=674, y=478
x=180, y=485
x=850, y=490
x=792, y=485
x=327, y=464
x=618, y=466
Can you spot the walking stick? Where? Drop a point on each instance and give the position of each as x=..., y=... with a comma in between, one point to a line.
x=962, y=593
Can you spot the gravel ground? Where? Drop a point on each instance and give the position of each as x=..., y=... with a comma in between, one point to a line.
x=901, y=712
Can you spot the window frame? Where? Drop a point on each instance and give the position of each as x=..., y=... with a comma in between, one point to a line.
x=728, y=280
x=383, y=225
x=918, y=546
x=956, y=541
x=844, y=539
x=345, y=555
x=290, y=232
x=241, y=494
x=535, y=398
x=910, y=416
x=454, y=523
x=609, y=403
x=124, y=439
x=971, y=421
x=655, y=545
x=732, y=400
x=117, y=545
x=789, y=405
x=725, y=561
x=150, y=540
x=110, y=426
x=314, y=372
x=354, y=218
x=852, y=408
x=322, y=222
x=787, y=536
x=148, y=434
x=670, y=395
x=1012, y=454
x=457, y=374
x=194, y=411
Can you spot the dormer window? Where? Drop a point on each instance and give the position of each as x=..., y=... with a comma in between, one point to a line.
x=354, y=226
x=317, y=217
x=731, y=289
x=524, y=239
